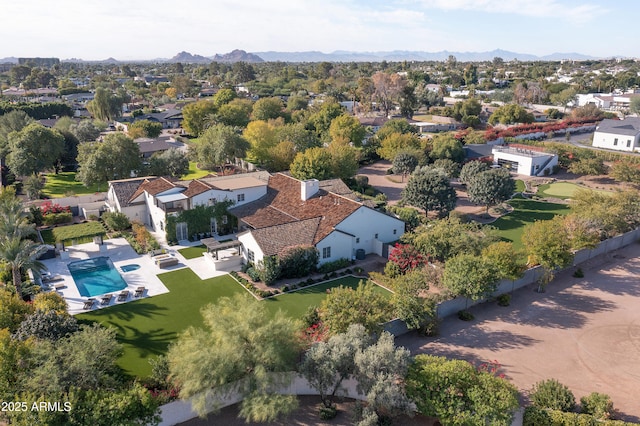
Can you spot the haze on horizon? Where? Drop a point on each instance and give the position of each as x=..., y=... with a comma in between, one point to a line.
x=145, y=29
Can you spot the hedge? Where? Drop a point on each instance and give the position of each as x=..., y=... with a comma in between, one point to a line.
x=534, y=416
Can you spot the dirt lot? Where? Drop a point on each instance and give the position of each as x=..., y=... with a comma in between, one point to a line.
x=584, y=332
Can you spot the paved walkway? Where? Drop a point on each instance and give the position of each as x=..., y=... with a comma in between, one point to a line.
x=583, y=332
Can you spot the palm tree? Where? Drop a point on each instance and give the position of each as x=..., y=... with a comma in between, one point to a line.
x=21, y=255
x=14, y=220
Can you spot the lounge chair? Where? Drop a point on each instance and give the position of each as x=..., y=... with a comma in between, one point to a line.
x=139, y=291
x=123, y=295
x=88, y=304
x=106, y=299
x=59, y=286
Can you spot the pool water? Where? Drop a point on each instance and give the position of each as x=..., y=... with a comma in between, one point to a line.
x=96, y=276
x=129, y=268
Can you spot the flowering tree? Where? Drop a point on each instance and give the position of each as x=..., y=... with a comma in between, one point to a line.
x=407, y=257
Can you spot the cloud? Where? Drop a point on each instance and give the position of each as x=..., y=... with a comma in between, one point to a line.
x=579, y=13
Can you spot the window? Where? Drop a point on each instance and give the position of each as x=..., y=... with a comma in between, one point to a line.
x=251, y=255
x=394, y=232
x=212, y=201
x=240, y=197
x=615, y=142
x=357, y=240
x=376, y=236
x=326, y=252
x=629, y=143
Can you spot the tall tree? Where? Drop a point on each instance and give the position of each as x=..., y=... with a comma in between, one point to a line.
x=491, y=187
x=21, y=255
x=548, y=244
x=469, y=276
x=34, y=149
x=471, y=169
x=262, y=136
x=12, y=121
x=239, y=350
x=347, y=127
x=388, y=88
x=446, y=147
x=314, y=163
x=194, y=116
x=171, y=162
x=267, y=109
x=344, y=159
x=219, y=144
x=345, y=306
x=404, y=163
x=115, y=158
x=85, y=130
x=430, y=190
x=105, y=105
x=145, y=129
x=395, y=143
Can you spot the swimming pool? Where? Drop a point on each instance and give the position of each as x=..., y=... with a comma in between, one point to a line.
x=129, y=268
x=96, y=276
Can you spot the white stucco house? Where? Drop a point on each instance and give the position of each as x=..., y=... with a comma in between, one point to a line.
x=621, y=135
x=150, y=200
x=524, y=161
x=294, y=212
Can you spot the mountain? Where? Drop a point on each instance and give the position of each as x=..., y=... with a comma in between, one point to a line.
x=405, y=55
x=9, y=60
x=237, y=56
x=188, y=58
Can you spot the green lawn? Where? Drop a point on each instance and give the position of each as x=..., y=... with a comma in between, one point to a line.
x=147, y=326
x=297, y=303
x=520, y=186
x=64, y=184
x=193, y=252
x=562, y=190
x=526, y=211
x=195, y=172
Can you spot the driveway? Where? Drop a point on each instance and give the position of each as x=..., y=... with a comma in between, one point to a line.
x=378, y=178
x=584, y=332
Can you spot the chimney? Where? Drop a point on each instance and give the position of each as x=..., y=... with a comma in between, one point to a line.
x=308, y=188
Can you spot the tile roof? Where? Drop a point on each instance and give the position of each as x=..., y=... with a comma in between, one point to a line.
x=283, y=204
x=195, y=187
x=153, y=186
x=125, y=188
x=273, y=239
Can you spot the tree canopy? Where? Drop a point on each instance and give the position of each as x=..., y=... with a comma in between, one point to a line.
x=238, y=350
x=34, y=149
x=114, y=158
x=219, y=144
x=430, y=190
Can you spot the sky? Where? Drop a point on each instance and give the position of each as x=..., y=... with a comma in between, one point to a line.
x=150, y=29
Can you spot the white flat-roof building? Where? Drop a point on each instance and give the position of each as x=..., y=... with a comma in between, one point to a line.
x=524, y=161
x=621, y=135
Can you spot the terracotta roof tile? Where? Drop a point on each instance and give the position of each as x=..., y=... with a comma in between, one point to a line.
x=283, y=204
x=153, y=186
x=196, y=187
x=273, y=239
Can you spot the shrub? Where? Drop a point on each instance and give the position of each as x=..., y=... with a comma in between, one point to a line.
x=116, y=221
x=534, y=416
x=598, y=405
x=268, y=269
x=504, y=299
x=553, y=395
x=57, y=218
x=328, y=413
x=253, y=274
x=334, y=266
x=465, y=316
x=578, y=273
x=298, y=261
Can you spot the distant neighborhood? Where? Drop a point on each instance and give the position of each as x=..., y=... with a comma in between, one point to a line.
x=180, y=236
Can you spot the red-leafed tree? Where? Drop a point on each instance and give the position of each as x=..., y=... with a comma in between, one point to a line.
x=407, y=257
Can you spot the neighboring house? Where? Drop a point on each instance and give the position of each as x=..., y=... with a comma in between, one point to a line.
x=437, y=124
x=480, y=152
x=621, y=135
x=374, y=123
x=295, y=212
x=149, y=146
x=524, y=161
x=169, y=119
x=150, y=200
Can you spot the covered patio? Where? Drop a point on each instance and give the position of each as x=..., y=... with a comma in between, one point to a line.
x=223, y=255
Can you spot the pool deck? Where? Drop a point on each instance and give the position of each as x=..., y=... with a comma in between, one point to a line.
x=120, y=253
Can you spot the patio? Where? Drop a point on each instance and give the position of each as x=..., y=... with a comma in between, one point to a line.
x=120, y=253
